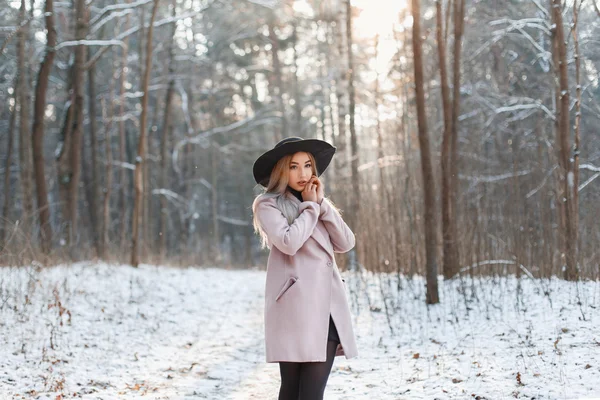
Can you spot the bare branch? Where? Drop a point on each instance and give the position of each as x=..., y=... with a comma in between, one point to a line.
x=133, y=30
x=542, y=9
x=15, y=31
x=596, y=7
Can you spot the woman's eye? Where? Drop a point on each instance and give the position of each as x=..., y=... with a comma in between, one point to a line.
x=293, y=167
x=307, y=166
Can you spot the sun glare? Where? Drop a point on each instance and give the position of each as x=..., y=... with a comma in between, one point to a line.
x=378, y=17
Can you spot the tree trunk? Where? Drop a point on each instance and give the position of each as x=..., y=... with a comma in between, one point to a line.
x=217, y=257
x=93, y=184
x=38, y=129
x=448, y=240
x=297, y=94
x=563, y=133
x=122, y=138
x=459, y=17
x=355, y=198
x=7, y=190
x=70, y=160
x=25, y=155
x=277, y=85
x=139, y=165
x=340, y=162
x=426, y=168
x=164, y=141
x=107, y=117
x=576, y=150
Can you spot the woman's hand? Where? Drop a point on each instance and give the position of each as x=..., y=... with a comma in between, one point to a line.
x=320, y=188
x=310, y=192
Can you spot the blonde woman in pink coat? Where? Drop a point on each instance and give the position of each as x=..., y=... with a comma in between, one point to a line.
x=307, y=317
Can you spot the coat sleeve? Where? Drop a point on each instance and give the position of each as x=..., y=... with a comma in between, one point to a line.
x=288, y=238
x=342, y=238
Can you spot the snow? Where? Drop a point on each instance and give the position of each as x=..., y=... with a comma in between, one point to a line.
x=94, y=331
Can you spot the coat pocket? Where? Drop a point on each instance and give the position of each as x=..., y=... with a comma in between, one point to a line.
x=288, y=284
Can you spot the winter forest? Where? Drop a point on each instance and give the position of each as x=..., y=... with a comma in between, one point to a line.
x=467, y=162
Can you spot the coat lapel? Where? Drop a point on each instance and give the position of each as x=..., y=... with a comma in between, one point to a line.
x=317, y=234
x=321, y=238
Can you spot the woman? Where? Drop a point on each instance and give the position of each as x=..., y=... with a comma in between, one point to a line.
x=307, y=317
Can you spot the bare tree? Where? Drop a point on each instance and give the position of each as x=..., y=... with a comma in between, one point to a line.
x=426, y=168
x=164, y=141
x=276, y=81
x=577, y=128
x=142, y=143
x=450, y=261
x=7, y=165
x=24, y=98
x=92, y=184
x=38, y=128
x=563, y=133
x=355, y=198
x=122, y=134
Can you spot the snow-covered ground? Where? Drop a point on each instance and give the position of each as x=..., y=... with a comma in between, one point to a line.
x=98, y=331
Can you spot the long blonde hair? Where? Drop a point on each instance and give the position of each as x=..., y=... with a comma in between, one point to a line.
x=277, y=188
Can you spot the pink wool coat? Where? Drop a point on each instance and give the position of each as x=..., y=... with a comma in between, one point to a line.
x=303, y=285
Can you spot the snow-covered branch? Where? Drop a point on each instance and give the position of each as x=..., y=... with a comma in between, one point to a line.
x=123, y=164
x=173, y=197
x=86, y=42
x=116, y=7
x=589, y=167
x=112, y=16
x=133, y=30
x=541, y=185
x=272, y=4
x=202, y=138
x=517, y=107
x=584, y=184
x=233, y=221
x=492, y=178
x=541, y=8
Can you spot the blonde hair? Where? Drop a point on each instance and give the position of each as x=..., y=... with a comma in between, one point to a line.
x=277, y=189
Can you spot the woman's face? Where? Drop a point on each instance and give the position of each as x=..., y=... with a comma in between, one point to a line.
x=300, y=171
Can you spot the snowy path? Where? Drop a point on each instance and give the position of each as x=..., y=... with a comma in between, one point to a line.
x=168, y=333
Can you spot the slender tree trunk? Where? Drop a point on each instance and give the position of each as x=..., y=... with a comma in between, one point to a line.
x=38, y=129
x=426, y=168
x=93, y=184
x=277, y=85
x=217, y=257
x=449, y=265
x=71, y=162
x=297, y=94
x=567, y=176
x=7, y=165
x=355, y=198
x=107, y=117
x=164, y=141
x=577, y=149
x=342, y=104
x=24, y=99
x=139, y=166
x=122, y=138
x=459, y=17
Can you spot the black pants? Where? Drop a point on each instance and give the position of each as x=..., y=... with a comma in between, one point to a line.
x=306, y=381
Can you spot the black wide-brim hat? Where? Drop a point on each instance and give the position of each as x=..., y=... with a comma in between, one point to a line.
x=322, y=152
